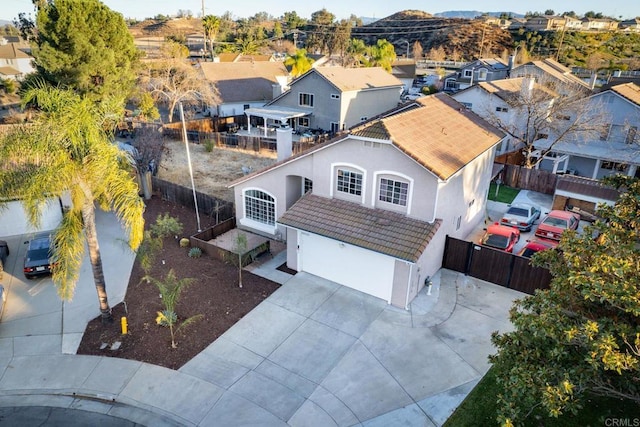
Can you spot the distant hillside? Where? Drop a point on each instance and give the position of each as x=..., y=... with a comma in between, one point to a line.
x=470, y=14
x=458, y=37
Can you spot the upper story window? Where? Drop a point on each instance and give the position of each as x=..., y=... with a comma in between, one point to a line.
x=305, y=99
x=259, y=206
x=349, y=182
x=502, y=109
x=468, y=73
x=632, y=135
x=393, y=191
x=307, y=185
x=482, y=74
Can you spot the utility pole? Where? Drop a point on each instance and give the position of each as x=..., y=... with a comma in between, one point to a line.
x=482, y=40
x=203, y=28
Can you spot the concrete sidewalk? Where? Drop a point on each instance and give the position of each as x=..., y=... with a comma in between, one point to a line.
x=313, y=353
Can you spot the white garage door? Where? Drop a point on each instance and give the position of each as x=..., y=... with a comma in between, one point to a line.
x=13, y=219
x=366, y=271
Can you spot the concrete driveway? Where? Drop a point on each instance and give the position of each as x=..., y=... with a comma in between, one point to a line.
x=313, y=353
x=319, y=354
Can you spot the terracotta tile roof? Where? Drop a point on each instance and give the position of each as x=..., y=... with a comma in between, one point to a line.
x=630, y=91
x=587, y=187
x=244, y=81
x=379, y=230
x=351, y=79
x=441, y=134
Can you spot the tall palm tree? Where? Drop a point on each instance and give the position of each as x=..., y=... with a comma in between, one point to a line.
x=67, y=151
x=299, y=62
x=211, y=24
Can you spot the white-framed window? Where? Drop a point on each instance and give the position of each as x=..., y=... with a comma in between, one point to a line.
x=303, y=121
x=482, y=74
x=615, y=166
x=260, y=207
x=393, y=191
x=348, y=181
x=468, y=73
x=335, y=96
x=305, y=99
x=502, y=109
x=307, y=186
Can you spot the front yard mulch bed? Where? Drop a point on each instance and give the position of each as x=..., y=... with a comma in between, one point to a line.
x=214, y=293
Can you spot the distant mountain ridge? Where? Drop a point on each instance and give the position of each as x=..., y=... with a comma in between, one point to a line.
x=470, y=14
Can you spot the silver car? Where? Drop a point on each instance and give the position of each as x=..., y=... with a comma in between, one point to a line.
x=521, y=216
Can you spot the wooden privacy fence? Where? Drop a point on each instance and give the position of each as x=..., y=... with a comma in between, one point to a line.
x=529, y=179
x=491, y=265
x=217, y=209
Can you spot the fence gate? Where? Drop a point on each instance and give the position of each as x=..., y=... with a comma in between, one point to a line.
x=495, y=266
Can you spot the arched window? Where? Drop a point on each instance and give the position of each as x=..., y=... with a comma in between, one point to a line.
x=260, y=207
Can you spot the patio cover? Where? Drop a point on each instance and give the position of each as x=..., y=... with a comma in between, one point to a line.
x=274, y=113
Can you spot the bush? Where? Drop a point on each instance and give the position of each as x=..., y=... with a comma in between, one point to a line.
x=184, y=242
x=209, y=144
x=166, y=226
x=195, y=252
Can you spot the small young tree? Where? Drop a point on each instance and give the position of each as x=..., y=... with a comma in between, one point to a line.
x=241, y=249
x=170, y=290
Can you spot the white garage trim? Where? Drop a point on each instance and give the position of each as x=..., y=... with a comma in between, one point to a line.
x=348, y=265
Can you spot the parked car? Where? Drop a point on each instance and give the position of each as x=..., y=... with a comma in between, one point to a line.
x=4, y=254
x=37, y=260
x=500, y=237
x=536, y=245
x=555, y=223
x=521, y=215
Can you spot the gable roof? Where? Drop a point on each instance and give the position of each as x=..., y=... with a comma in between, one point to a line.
x=379, y=230
x=506, y=88
x=352, y=79
x=244, y=81
x=554, y=69
x=587, y=187
x=441, y=135
x=630, y=91
x=11, y=51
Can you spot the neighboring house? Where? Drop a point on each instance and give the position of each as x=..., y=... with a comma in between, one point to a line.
x=14, y=62
x=499, y=102
x=405, y=71
x=480, y=70
x=599, y=24
x=545, y=23
x=371, y=209
x=572, y=24
x=335, y=98
x=239, y=57
x=550, y=71
x=243, y=85
x=614, y=151
x=630, y=25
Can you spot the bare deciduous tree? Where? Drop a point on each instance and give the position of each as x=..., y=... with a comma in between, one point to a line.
x=543, y=113
x=172, y=79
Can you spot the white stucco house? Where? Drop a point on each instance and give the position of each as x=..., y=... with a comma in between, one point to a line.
x=14, y=62
x=372, y=208
x=335, y=98
x=243, y=85
x=614, y=150
x=500, y=102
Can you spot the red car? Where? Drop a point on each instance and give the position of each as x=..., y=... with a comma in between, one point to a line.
x=555, y=223
x=500, y=237
x=536, y=245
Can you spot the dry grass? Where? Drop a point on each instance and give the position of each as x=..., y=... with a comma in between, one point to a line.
x=212, y=171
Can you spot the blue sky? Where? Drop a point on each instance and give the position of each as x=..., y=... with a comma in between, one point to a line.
x=342, y=9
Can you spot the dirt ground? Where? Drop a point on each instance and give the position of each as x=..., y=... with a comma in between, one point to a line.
x=212, y=171
x=214, y=294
